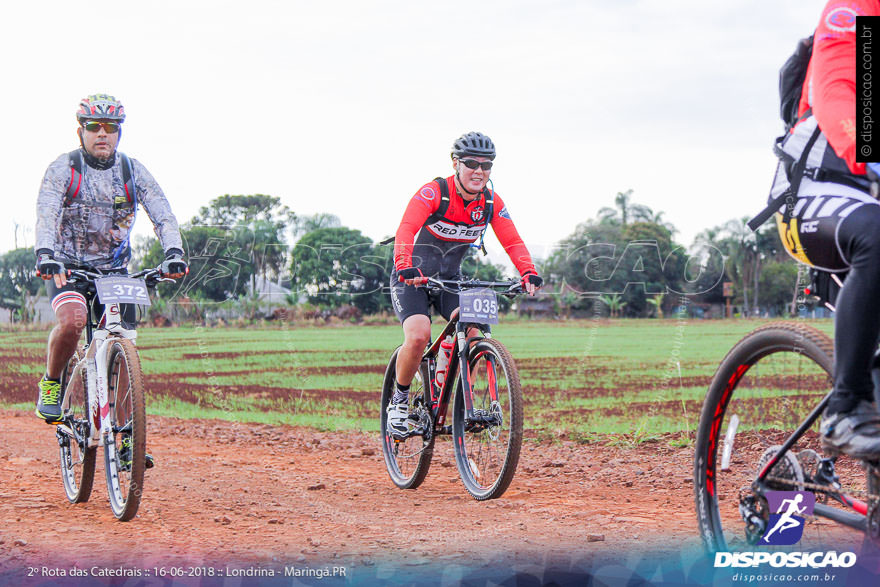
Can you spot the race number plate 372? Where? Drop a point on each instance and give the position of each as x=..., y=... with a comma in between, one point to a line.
x=479, y=306
x=122, y=290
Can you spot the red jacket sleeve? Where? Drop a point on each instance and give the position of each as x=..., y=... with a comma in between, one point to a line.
x=510, y=239
x=831, y=80
x=425, y=202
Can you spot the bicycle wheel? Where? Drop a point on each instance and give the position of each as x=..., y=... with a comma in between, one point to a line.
x=77, y=459
x=408, y=461
x=761, y=393
x=125, y=452
x=487, y=449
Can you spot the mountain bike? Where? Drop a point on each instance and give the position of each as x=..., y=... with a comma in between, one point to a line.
x=104, y=401
x=759, y=432
x=487, y=407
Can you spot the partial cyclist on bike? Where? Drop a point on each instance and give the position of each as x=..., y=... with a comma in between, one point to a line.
x=442, y=221
x=828, y=219
x=85, y=213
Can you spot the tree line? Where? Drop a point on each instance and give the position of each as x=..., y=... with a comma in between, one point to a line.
x=625, y=262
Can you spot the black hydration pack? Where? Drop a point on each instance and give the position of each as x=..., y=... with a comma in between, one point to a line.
x=444, y=202
x=444, y=206
x=791, y=84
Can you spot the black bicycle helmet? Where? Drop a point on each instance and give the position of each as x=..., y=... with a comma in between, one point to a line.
x=475, y=144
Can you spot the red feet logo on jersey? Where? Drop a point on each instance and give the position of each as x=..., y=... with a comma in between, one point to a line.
x=477, y=214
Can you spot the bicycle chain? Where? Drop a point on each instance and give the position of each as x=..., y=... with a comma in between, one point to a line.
x=824, y=488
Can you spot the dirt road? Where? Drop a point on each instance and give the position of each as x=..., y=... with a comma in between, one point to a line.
x=224, y=492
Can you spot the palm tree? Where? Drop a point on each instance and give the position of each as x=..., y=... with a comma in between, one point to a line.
x=657, y=302
x=657, y=218
x=615, y=304
x=623, y=211
x=741, y=250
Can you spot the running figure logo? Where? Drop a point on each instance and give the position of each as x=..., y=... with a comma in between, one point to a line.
x=786, y=526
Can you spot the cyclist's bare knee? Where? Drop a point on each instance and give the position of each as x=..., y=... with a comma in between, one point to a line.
x=417, y=331
x=71, y=320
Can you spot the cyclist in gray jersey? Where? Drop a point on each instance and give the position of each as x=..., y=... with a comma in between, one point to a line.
x=85, y=212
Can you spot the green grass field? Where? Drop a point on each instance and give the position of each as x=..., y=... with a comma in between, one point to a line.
x=621, y=380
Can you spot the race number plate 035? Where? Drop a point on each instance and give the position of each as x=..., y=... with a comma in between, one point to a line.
x=479, y=306
x=122, y=290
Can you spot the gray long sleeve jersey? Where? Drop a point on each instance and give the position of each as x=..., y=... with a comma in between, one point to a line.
x=93, y=228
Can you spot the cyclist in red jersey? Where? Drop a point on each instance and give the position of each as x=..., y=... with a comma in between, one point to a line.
x=832, y=225
x=432, y=241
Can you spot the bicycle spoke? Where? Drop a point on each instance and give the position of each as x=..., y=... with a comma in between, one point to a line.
x=124, y=452
x=763, y=391
x=487, y=446
x=77, y=459
x=407, y=461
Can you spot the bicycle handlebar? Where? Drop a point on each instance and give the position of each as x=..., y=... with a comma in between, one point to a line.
x=507, y=288
x=150, y=276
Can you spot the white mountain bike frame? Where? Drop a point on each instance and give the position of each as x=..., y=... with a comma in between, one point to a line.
x=95, y=363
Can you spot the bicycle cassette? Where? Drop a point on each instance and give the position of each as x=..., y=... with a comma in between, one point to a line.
x=786, y=475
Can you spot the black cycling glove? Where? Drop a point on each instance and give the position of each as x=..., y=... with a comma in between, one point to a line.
x=409, y=273
x=173, y=263
x=47, y=266
x=532, y=278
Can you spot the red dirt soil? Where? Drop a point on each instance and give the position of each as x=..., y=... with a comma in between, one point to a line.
x=281, y=495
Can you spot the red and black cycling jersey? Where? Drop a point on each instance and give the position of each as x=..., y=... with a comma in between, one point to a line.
x=442, y=242
x=830, y=85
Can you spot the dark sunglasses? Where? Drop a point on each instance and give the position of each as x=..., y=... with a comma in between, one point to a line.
x=473, y=164
x=109, y=127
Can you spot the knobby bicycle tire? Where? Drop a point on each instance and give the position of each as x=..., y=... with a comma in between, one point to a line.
x=77, y=462
x=408, y=461
x=125, y=470
x=487, y=458
x=770, y=380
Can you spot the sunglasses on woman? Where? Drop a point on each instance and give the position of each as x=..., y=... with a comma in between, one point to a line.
x=473, y=164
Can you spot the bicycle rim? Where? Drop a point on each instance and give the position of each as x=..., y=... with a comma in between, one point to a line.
x=487, y=455
x=125, y=451
x=77, y=459
x=763, y=390
x=407, y=461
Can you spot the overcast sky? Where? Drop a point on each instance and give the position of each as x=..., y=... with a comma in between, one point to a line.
x=349, y=106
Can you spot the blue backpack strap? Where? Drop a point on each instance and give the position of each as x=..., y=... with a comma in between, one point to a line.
x=131, y=201
x=75, y=159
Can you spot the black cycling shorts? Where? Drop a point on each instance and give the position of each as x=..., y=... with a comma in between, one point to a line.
x=409, y=300
x=75, y=293
x=813, y=233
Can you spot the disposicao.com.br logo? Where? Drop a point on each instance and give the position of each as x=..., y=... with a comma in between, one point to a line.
x=789, y=510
